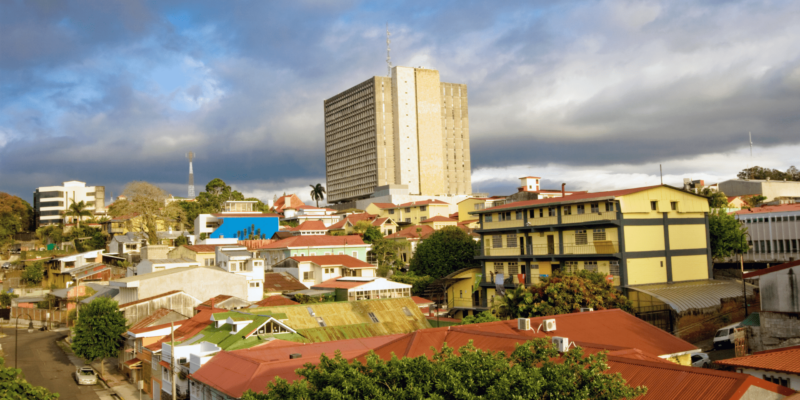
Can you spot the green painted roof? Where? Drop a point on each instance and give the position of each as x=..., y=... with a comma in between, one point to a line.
x=223, y=338
x=752, y=320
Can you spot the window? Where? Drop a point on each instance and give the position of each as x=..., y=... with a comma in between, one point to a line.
x=480, y=206
x=373, y=318
x=511, y=240
x=391, y=212
x=673, y=205
x=487, y=218
x=590, y=266
x=613, y=268
x=595, y=207
x=541, y=213
x=599, y=234
x=423, y=218
x=408, y=220
x=407, y=312
x=308, y=275
x=497, y=241
x=408, y=209
x=531, y=213
x=534, y=269
x=255, y=284
x=513, y=268
x=519, y=215
x=321, y=322
x=498, y=267
x=423, y=208
x=461, y=294
x=581, y=209
x=654, y=205
x=551, y=212
x=794, y=245
x=570, y=267
x=567, y=210
x=580, y=237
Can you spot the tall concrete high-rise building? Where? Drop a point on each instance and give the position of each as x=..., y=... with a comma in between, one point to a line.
x=410, y=130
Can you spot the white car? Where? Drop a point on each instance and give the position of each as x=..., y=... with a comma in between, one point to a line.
x=701, y=360
x=86, y=376
x=724, y=336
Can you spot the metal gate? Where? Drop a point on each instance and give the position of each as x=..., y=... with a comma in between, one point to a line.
x=658, y=316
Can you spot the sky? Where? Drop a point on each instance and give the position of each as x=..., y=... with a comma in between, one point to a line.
x=595, y=94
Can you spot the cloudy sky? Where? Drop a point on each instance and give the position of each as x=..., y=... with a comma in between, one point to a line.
x=596, y=94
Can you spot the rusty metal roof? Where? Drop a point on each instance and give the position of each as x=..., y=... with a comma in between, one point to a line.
x=781, y=360
x=682, y=296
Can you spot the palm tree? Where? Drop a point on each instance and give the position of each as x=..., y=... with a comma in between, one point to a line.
x=317, y=193
x=78, y=211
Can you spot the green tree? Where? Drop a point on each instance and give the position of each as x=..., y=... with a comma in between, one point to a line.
x=15, y=216
x=443, y=252
x=33, y=274
x=716, y=199
x=485, y=316
x=562, y=294
x=755, y=200
x=5, y=299
x=388, y=254
x=97, y=240
x=535, y=369
x=78, y=211
x=98, y=329
x=791, y=174
x=54, y=233
x=150, y=203
x=181, y=240
x=728, y=235
x=317, y=192
x=14, y=387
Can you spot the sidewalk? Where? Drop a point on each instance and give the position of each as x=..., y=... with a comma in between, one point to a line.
x=116, y=382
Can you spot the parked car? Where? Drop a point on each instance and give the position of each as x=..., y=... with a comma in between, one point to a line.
x=724, y=336
x=86, y=376
x=7, y=265
x=701, y=360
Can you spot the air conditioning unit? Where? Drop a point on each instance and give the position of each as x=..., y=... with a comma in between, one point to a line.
x=549, y=325
x=523, y=324
x=562, y=343
x=587, y=309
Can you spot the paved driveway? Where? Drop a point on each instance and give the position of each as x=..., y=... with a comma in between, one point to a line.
x=44, y=364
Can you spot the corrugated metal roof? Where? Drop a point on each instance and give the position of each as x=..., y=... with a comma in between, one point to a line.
x=682, y=296
x=781, y=360
x=754, y=319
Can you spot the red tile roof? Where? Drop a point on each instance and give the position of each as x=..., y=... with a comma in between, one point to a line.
x=157, y=327
x=245, y=215
x=454, y=215
x=343, y=260
x=353, y=219
x=379, y=221
x=277, y=300
x=384, y=205
x=769, y=270
x=281, y=282
x=287, y=201
x=254, y=244
x=190, y=327
x=201, y=248
x=150, y=319
x=440, y=218
x=420, y=301
x=769, y=209
x=170, y=293
x=411, y=232
x=234, y=372
x=306, y=207
x=311, y=226
x=785, y=360
x=421, y=203
x=214, y=300
x=335, y=283
x=316, y=241
x=572, y=197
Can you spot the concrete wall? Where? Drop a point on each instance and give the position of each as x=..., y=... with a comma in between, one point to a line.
x=779, y=330
x=152, y=252
x=455, y=134
x=770, y=189
x=181, y=303
x=780, y=291
x=429, y=131
x=406, y=144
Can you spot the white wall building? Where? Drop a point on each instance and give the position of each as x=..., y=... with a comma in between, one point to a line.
x=305, y=213
x=774, y=233
x=50, y=202
x=312, y=270
x=238, y=260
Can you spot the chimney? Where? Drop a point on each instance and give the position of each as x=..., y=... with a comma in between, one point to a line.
x=563, y=192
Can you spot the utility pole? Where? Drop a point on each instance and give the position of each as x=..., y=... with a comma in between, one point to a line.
x=172, y=359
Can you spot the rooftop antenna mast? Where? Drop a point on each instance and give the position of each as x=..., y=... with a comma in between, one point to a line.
x=749, y=173
x=388, y=50
x=190, y=156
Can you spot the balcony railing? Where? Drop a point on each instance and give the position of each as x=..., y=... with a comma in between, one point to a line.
x=596, y=216
x=542, y=221
x=464, y=303
x=505, y=251
x=598, y=247
x=514, y=223
x=543, y=249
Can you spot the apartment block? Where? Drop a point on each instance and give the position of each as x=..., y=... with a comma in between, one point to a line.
x=50, y=202
x=773, y=233
x=410, y=129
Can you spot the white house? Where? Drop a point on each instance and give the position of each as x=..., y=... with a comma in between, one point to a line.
x=366, y=288
x=148, y=266
x=238, y=260
x=310, y=213
x=312, y=270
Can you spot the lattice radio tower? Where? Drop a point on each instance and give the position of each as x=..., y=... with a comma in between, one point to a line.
x=190, y=156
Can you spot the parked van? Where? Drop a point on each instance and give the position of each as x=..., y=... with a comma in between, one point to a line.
x=724, y=336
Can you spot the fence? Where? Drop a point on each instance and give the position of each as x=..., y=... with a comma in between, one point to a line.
x=39, y=314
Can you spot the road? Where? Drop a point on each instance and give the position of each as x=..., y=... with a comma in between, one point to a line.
x=43, y=363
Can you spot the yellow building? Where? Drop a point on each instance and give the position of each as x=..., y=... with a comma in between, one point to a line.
x=466, y=207
x=411, y=213
x=648, y=235
x=439, y=222
x=130, y=223
x=205, y=254
x=462, y=296
x=387, y=226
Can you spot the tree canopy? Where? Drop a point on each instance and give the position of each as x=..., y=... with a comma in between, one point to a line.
x=317, y=193
x=98, y=329
x=716, y=199
x=33, y=274
x=791, y=174
x=151, y=205
x=16, y=215
x=728, y=235
x=534, y=370
x=562, y=294
x=210, y=202
x=443, y=252
x=485, y=316
x=77, y=211
x=14, y=387
x=754, y=200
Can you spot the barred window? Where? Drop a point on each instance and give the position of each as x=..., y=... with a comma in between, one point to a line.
x=599, y=234
x=534, y=269
x=581, y=209
x=511, y=240
x=551, y=212
x=609, y=206
x=513, y=268
x=613, y=268
x=519, y=215
x=590, y=266
x=498, y=267
x=487, y=218
x=497, y=241
x=580, y=237
x=567, y=210
x=570, y=267
x=595, y=207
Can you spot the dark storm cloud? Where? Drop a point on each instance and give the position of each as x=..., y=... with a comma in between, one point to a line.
x=110, y=91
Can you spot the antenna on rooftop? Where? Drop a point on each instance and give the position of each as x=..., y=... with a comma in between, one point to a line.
x=388, y=50
x=190, y=156
x=749, y=173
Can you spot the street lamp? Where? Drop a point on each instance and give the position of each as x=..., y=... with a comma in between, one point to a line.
x=16, y=337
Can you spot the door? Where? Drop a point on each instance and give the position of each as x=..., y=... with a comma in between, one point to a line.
x=551, y=244
x=522, y=246
x=476, y=298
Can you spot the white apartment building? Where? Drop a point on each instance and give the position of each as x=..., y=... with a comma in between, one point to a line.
x=238, y=260
x=307, y=213
x=50, y=202
x=774, y=233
